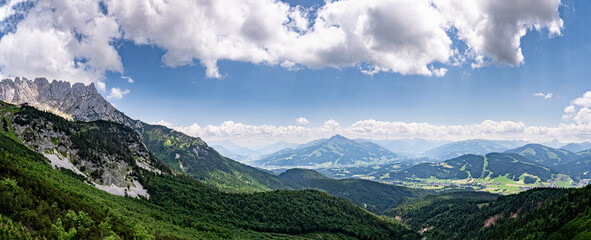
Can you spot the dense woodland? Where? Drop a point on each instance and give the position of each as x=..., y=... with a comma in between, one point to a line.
x=373, y=196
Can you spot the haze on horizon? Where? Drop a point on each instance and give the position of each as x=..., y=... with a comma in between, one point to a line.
x=262, y=71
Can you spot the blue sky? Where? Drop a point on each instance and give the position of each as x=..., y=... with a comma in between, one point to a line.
x=262, y=94
x=332, y=86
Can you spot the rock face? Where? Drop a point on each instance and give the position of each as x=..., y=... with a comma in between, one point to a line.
x=76, y=102
x=107, y=154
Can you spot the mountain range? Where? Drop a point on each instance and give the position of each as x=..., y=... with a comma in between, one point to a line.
x=249, y=154
x=476, y=146
x=576, y=147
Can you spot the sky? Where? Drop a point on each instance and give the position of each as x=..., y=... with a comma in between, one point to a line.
x=260, y=71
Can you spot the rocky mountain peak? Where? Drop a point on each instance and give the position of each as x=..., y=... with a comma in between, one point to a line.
x=77, y=102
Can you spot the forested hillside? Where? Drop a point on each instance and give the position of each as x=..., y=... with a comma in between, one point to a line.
x=373, y=196
x=534, y=214
x=39, y=197
x=195, y=158
x=490, y=166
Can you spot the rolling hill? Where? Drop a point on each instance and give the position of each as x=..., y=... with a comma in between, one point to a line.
x=576, y=147
x=336, y=151
x=545, y=156
x=488, y=166
x=373, y=196
x=477, y=146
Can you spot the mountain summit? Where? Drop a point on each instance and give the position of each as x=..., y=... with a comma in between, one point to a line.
x=335, y=151
x=76, y=102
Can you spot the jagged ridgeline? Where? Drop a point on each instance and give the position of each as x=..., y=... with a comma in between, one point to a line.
x=182, y=153
x=39, y=201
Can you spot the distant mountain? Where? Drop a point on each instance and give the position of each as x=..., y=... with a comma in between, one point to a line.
x=230, y=154
x=234, y=151
x=272, y=148
x=373, y=196
x=410, y=147
x=180, y=152
x=477, y=146
x=576, y=147
x=249, y=154
x=545, y=156
x=489, y=166
x=336, y=151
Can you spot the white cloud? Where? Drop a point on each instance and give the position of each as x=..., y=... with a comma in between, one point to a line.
x=62, y=39
x=246, y=134
x=163, y=123
x=492, y=30
x=579, y=110
x=8, y=9
x=101, y=86
x=117, y=93
x=302, y=121
x=576, y=129
x=584, y=101
x=129, y=79
x=73, y=40
x=545, y=96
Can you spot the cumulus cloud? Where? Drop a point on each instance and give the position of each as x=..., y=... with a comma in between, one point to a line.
x=542, y=95
x=576, y=128
x=129, y=79
x=492, y=30
x=247, y=134
x=163, y=123
x=101, y=86
x=61, y=39
x=579, y=110
x=117, y=93
x=74, y=40
x=9, y=8
x=302, y=121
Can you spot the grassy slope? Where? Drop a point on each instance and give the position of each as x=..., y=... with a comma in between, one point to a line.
x=204, y=163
